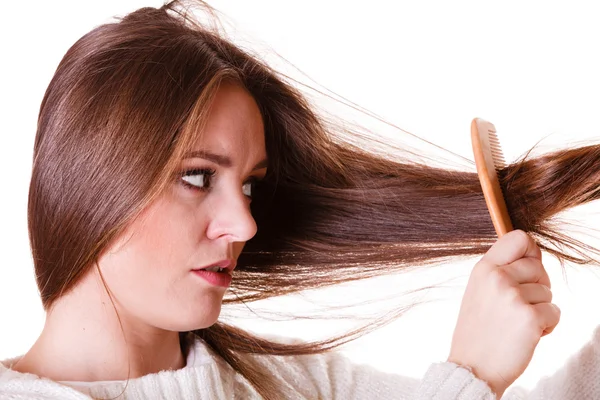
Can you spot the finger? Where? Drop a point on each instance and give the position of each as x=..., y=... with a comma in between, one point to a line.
x=511, y=247
x=548, y=316
x=528, y=270
x=547, y=331
x=534, y=293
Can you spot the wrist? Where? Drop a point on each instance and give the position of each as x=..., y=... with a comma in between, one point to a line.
x=497, y=386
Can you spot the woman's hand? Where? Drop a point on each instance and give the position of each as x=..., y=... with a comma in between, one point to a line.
x=505, y=311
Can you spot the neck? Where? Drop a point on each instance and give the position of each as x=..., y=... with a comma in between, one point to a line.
x=83, y=328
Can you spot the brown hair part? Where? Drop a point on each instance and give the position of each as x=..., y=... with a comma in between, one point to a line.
x=130, y=97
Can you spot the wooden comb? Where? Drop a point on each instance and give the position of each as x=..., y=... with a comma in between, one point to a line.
x=488, y=160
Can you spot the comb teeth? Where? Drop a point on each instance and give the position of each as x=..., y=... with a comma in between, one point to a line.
x=496, y=150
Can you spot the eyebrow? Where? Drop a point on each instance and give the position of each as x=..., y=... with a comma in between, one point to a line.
x=221, y=160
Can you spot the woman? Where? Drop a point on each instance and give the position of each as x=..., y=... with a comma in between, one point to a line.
x=166, y=158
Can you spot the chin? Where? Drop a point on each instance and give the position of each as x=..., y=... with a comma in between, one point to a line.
x=200, y=318
x=192, y=324
x=191, y=313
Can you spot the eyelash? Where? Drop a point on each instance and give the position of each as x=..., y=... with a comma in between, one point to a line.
x=209, y=173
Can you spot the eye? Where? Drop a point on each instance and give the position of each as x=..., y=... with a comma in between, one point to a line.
x=250, y=186
x=198, y=178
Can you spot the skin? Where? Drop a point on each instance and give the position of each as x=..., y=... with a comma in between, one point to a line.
x=506, y=309
x=148, y=269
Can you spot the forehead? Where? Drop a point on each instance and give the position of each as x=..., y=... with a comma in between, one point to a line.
x=234, y=125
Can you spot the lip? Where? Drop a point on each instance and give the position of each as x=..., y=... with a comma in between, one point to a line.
x=222, y=279
x=227, y=264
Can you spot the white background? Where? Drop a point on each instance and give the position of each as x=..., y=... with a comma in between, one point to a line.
x=428, y=67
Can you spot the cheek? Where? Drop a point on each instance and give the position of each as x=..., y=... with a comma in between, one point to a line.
x=160, y=240
x=154, y=253
x=148, y=271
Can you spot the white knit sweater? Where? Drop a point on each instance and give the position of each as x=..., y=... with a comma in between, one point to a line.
x=323, y=376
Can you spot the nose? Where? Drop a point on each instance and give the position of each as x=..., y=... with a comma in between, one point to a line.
x=230, y=216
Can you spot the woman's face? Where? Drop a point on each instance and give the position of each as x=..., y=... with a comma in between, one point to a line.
x=200, y=221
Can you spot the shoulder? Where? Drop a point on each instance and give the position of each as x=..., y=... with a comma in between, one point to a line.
x=23, y=386
x=332, y=375
x=576, y=379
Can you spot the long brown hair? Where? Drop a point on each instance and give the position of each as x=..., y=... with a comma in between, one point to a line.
x=130, y=97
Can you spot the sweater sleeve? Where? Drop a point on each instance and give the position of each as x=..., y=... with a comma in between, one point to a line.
x=577, y=379
x=333, y=376
x=448, y=381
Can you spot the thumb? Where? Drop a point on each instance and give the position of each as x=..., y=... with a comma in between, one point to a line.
x=511, y=247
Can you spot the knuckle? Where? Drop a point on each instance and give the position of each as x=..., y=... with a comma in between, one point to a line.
x=528, y=242
x=538, y=251
x=514, y=295
x=537, y=266
x=558, y=314
x=532, y=262
x=521, y=236
x=548, y=293
x=499, y=278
